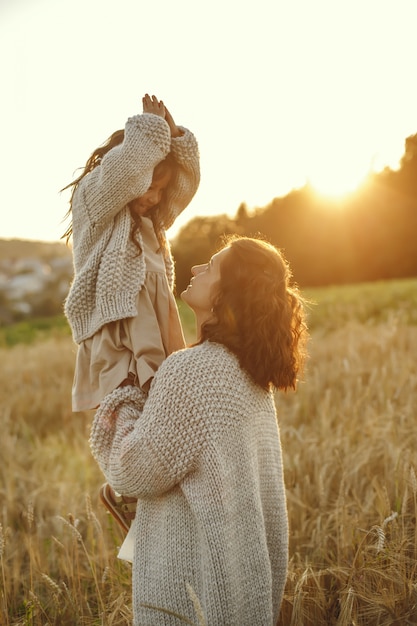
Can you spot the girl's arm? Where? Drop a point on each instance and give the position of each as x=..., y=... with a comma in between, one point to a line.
x=176, y=131
x=182, y=189
x=126, y=171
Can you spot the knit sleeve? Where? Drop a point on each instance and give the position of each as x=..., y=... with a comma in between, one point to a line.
x=145, y=454
x=125, y=171
x=183, y=187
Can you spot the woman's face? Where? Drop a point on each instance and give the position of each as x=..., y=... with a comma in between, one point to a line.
x=200, y=292
x=152, y=197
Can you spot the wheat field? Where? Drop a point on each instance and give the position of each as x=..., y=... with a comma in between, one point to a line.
x=349, y=439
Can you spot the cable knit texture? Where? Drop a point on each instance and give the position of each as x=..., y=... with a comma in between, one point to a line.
x=204, y=458
x=108, y=271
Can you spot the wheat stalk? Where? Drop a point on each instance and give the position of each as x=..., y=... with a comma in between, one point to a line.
x=197, y=607
x=346, y=609
x=3, y=573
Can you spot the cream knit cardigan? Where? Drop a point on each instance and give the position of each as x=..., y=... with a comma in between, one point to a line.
x=204, y=458
x=108, y=271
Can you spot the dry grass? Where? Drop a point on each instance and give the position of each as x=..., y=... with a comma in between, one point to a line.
x=349, y=437
x=58, y=558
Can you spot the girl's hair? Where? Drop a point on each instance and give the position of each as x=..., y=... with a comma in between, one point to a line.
x=95, y=159
x=157, y=214
x=167, y=165
x=258, y=314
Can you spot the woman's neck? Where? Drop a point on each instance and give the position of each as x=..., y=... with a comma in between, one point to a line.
x=201, y=318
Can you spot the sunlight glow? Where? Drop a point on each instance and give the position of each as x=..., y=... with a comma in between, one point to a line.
x=320, y=96
x=335, y=186
x=330, y=180
x=343, y=175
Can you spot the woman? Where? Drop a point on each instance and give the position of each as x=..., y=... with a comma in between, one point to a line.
x=203, y=454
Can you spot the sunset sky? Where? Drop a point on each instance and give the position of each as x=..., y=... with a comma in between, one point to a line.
x=277, y=93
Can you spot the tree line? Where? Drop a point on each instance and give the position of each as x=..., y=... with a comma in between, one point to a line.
x=365, y=236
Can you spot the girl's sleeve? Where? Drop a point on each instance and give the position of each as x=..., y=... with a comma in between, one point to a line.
x=126, y=170
x=187, y=179
x=144, y=449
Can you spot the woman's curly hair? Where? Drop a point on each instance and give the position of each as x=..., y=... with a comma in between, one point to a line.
x=259, y=314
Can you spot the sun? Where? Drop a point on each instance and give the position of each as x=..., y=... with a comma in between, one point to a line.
x=337, y=179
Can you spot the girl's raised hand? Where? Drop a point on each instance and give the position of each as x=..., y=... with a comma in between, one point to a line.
x=175, y=131
x=153, y=105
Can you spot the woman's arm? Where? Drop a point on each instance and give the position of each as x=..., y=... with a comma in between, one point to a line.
x=146, y=452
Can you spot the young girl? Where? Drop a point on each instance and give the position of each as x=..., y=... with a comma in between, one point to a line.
x=121, y=306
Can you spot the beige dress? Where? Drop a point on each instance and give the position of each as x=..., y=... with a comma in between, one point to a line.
x=133, y=347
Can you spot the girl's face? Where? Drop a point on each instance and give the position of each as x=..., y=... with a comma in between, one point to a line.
x=152, y=197
x=200, y=292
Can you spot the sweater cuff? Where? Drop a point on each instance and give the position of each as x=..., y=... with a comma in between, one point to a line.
x=184, y=148
x=151, y=126
x=121, y=406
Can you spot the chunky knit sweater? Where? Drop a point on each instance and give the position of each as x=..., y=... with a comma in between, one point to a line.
x=108, y=271
x=204, y=458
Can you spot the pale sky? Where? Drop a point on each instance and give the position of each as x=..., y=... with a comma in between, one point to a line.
x=276, y=92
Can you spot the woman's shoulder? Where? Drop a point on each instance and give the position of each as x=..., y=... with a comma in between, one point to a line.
x=205, y=352
x=207, y=361
x=209, y=378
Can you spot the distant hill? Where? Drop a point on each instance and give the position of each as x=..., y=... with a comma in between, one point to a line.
x=22, y=248
x=34, y=278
